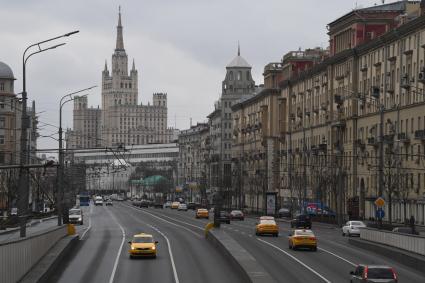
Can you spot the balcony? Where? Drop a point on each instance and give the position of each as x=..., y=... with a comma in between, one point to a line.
x=388, y=139
x=402, y=137
x=372, y=141
x=420, y=134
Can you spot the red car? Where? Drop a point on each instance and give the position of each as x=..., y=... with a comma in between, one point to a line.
x=237, y=214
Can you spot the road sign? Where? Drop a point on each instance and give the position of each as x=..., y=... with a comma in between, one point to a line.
x=380, y=213
x=379, y=202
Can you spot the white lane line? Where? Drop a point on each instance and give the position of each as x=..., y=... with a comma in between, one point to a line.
x=335, y=255
x=89, y=227
x=169, y=222
x=117, y=258
x=176, y=278
x=296, y=259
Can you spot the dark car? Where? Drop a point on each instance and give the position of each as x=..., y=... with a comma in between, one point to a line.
x=144, y=203
x=237, y=214
x=191, y=205
x=224, y=216
x=373, y=273
x=284, y=212
x=405, y=230
x=301, y=221
x=108, y=202
x=158, y=204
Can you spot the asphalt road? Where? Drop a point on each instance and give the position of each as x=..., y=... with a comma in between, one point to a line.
x=184, y=255
x=332, y=262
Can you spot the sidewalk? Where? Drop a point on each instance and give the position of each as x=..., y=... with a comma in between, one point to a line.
x=33, y=226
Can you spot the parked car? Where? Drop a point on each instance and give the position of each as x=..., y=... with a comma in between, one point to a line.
x=175, y=205
x=224, y=217
x=202, y=213
x=167, y=204
x=108, y=202
x=76, y=216
x=237, y=214
x=373, y=273
x=405, y=230
x=158, y=204
x=182, y=206
x=301, y=221
x=352, y=228
x=284, y=212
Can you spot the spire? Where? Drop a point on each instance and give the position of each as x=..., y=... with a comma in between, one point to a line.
x=106, y=66
x=133, y=68
x=239, y=49
x=120, y=41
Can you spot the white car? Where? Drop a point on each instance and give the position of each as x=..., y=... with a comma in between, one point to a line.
x=76, y=216
x=98, y=201
x=182, y=206
x=352, y=228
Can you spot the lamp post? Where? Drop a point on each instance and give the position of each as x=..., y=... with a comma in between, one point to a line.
x=61, y=204
x=23, y=180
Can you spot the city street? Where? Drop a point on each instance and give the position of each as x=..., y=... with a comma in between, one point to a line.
x=100, y=258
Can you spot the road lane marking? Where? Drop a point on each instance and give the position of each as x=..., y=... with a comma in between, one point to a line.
x=340, y=257
x=162, y=219
x=296, y=259
x=117, y=258
x=89, y=227
x=176, y=278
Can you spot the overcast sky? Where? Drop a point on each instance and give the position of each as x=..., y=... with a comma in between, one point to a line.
x=180, y=47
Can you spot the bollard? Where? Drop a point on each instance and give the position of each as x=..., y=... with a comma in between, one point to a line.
x=71, y=229
x=208, y=228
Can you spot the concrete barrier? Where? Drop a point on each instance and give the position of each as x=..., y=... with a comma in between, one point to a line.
x=241, y=260
x=407, y=242
x=18, y=256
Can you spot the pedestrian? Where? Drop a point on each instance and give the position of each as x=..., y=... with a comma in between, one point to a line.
x=412, y=224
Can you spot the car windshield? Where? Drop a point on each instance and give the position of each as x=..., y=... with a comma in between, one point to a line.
x=380, y=273
x=142, y=240
x=236, y=212
x=74, y=212
x=268, y=221
x=357, y=223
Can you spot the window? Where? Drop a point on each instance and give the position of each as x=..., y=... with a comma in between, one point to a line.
x=247, y=75
x=239, y=75
x=1, y=139
x=1, y=86
x=231, y=76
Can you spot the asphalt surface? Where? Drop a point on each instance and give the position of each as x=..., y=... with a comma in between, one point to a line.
x=183, y=255
x=332, y=262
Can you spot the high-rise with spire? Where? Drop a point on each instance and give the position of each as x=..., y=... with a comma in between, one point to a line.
x=123, y=120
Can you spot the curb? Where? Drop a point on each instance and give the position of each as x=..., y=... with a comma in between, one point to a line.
x=247, y=266
x=406, y=258
x=45, y=268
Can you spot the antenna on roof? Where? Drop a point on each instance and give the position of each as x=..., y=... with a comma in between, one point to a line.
x=239, y=49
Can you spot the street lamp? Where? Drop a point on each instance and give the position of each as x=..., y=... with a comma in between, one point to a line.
x=23, y=176
x=61, y=204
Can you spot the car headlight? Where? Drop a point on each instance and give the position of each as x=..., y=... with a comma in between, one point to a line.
x=153, y=248
x=133, y=248
x=79, y=218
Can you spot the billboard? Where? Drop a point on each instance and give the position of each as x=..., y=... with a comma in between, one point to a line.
x=271, y=203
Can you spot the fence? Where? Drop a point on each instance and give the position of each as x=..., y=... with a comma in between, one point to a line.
x=18, y=256
x=411, y=243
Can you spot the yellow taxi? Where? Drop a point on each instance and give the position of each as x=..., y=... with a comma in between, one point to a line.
x=267, y=225
x=175, y=205
x=142, y=245
x=302, y=238
x=202, y=213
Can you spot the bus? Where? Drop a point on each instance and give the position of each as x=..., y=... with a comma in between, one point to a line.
x=83, y=199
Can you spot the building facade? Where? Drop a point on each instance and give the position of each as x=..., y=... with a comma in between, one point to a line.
x=237, y=83
x=121, y=120
x=355, y=126
x=192, y=166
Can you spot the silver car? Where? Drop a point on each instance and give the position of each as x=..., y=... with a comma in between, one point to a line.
x=373, y=273
x=76, y=216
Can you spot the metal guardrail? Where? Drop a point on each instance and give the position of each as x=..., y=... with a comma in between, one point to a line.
x=18, y=256
x=411, y=243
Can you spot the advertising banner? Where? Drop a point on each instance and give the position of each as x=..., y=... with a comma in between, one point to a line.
x=271, y=203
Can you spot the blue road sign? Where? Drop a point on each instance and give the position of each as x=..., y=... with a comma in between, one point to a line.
x=380, y=213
